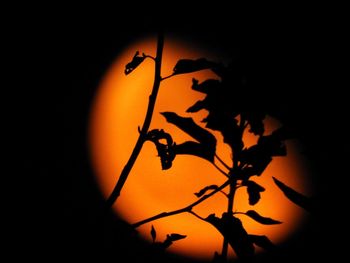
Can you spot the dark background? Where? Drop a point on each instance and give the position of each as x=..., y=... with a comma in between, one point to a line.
x=292, y=55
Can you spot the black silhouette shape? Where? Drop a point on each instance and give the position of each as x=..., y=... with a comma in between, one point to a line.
x=231, y=115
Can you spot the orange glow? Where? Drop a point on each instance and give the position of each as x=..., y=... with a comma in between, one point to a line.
x=119, y=109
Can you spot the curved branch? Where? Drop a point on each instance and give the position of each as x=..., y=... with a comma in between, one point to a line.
x=184, y=209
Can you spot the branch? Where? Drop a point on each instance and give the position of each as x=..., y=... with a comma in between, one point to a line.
x=222, y=162
x=184, y=209
x=146, y=124
x=167, y=77
x=221, y=171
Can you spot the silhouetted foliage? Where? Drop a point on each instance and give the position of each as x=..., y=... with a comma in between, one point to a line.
x=262, y=220
x=231, y=228
x=294, y=196
x=206, y=189
x=231, y=114
x=136, y=61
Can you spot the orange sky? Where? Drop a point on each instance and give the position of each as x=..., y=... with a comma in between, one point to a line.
x=120, y=107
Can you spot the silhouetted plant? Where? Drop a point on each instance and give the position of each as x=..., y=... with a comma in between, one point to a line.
x=231, y=115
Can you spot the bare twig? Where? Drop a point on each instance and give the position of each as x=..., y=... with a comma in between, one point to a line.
x=146, y=124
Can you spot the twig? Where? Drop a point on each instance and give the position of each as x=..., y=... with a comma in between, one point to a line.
x=184, y=209
x=222, y=162
x=167, y=77
x=146, y=124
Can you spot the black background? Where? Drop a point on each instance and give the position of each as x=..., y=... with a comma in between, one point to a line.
x=59, y=55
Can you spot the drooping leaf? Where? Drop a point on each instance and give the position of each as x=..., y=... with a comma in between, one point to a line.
x=205, y=148
x=253, y=190
x=297, y=198
x=262, y=241
x=165, y=151
x=262, y=220
x=190, y=65
x=232, y=229
x=136, y=61
x=199, y=105
x=205, y=189
x=153, y=233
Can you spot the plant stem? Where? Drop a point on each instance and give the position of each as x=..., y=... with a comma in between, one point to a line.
x=146, y=124
x=231, y=196
x=182, y=210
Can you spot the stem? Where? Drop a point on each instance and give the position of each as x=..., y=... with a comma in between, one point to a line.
x=222, y=162
x=184, y=209
x=221, y=171
x=146, y=124
x=171, y=75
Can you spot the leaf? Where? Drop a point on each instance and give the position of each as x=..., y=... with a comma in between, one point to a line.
x=263, y=220
x=208, y=86
x=262, y=241
x=175, y=237
x=190, y=65
x=136, y=61
x=165, y=151
x=232, y=229
x=253, y=190
x=207, y=141
x=255, y=120
x=297, y=198
x=170, y=239
x=153, y=234
x=205, y=189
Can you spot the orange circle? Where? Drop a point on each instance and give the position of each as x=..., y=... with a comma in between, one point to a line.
x=119, y=109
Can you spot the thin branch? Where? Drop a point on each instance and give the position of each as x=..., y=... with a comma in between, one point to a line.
x=146, y=124
x=148, y=56
x=222, y=162
x=220, y=170
x=184, y=209
x=167, y=77
x=198, y=216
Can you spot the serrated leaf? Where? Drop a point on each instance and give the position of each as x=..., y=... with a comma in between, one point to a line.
x=205, y=189
x=205, y=148
x=153, y=234
x=262, y=241
x=232, y=229
x=190, y=65
x=262, y=220
x=297, y=198
x=253, y=190
x=136, y=61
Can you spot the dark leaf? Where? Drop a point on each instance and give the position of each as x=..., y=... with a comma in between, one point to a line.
x=196, y=149
x=262, y=241
x=253, y=190
x=170, y=239
x=189, y=65
x=255, y=120
x=136, y=61
x=199, y=105
x=153, y=234
x=208, y=86
x=207, y=141
x=261, y=219
x=165, y=151
x=232, y=229
x=175, y=237
x=205, y=189
x=297, y=198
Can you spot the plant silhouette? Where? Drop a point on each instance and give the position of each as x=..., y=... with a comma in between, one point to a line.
x=230, y=114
